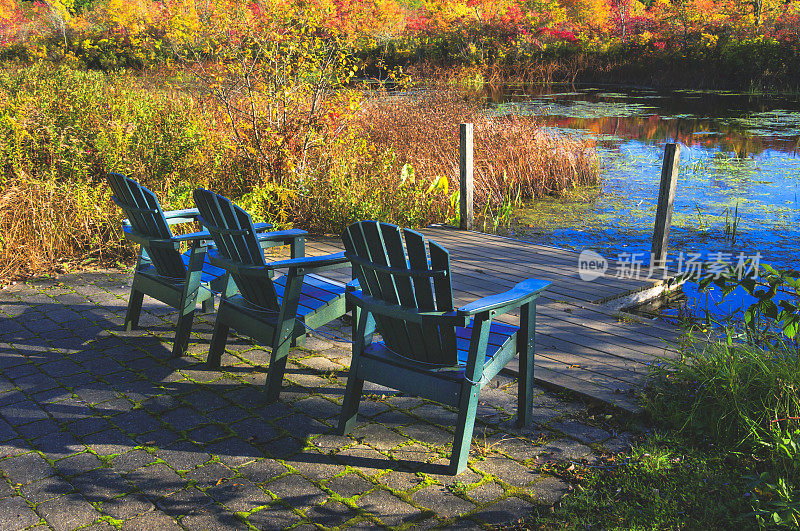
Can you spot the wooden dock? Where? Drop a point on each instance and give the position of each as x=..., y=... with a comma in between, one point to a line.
x=583, y=344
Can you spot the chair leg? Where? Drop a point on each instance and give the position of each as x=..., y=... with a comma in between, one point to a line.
x=352, y=397
x=525, y=389
x=526, y=349
x=134, y=310
x=230, y=288
x=218, y=341
x=208, y=305
x=299, y=341
x=188, y=301
x=277, y=367
x=464, y=427
x=182, y=334
x=363, y=326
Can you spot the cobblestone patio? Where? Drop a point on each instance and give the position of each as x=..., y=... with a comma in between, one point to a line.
x=101, y=428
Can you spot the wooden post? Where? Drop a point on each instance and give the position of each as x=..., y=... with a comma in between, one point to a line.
x=666, y=199
x=465, y=176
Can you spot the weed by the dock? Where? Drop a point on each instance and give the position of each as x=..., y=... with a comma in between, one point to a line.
x=723, y=450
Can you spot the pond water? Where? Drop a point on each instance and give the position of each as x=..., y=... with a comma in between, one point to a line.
x=739, y=161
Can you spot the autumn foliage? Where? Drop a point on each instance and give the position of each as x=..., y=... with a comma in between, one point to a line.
x=265, y=101
x=512, y=38
x=296, y=154
x=514, y=157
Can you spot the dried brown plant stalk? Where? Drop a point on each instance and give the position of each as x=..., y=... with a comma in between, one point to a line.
x=513, y=156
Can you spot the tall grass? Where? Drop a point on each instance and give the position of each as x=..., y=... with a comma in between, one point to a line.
x=60, y=129
x=513, y=157
x=741, y=398
x=45, y=224
x=734, y=394
x=352, y=179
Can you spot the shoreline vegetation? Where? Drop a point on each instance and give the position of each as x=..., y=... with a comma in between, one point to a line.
x=289, y=155
x=720, y=447
x=260, y=101
x=693, y=44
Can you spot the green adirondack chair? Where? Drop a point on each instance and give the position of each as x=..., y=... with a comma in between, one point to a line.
x=429, y=349
x=180, y=280
x=270, y=309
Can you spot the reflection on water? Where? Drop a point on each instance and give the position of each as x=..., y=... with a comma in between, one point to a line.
x=740, y=160
x=741, y=124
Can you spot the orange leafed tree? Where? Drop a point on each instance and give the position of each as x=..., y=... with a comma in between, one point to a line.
x=135, y=16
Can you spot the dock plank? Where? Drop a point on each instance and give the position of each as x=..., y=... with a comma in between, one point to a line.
x=533, y=255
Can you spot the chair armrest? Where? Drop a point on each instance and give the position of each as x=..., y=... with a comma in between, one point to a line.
x=501, y=303
x=412, y=315
x=263, y=226
x=186, y=215
x=174, y=242
x=353, y=285
x=193, y=236
x=238, y=268
x=148, y=241
x=284, y=236
x=312, y=264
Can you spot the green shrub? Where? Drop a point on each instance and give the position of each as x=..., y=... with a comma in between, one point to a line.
x=60, y=129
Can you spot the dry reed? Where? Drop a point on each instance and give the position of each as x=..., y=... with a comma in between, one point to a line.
x=49, y=226
x=514, y=158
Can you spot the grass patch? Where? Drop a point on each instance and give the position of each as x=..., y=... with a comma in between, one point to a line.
x=664, y=484
x=514, y=158
x=729, y=394
x=723, y=449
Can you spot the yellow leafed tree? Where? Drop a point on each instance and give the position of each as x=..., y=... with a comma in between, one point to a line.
x=133, y=15
x=443, y=13
x=544, y=13
x=588, y=13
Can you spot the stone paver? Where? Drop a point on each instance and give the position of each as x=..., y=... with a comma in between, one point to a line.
x=16, y=514
x=99, y=426
x=26, y=468
x=68, y=512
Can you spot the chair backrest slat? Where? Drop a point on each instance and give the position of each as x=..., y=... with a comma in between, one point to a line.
x=397, y=259
x=418, y=258
x=395, y=332
x=377, y=255
x=236, y=240
x=384, y=266
x=355, y=243
x=440, y=259
x=415, y=334
x=144, y=213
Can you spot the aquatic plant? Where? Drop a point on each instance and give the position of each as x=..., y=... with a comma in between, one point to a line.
x=741, y=398
x=732, y=219
x=776, y=306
